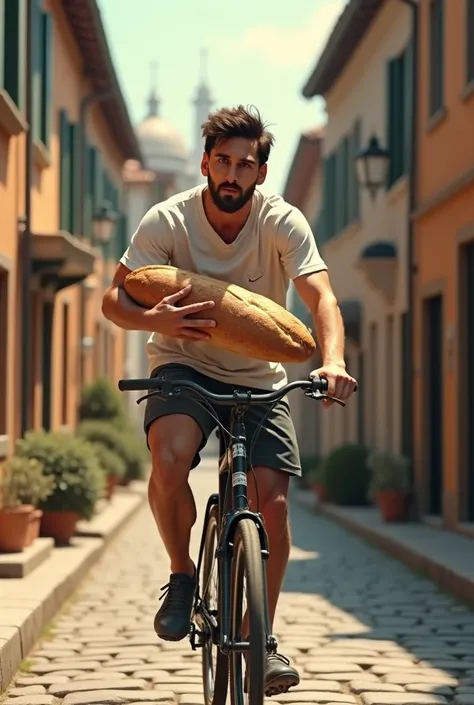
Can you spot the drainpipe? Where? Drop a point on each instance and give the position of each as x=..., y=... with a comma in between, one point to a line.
x=25, y=234
x=411, y=266
x=86, y=101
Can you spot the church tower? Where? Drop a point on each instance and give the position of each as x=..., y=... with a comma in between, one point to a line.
x=202, y=107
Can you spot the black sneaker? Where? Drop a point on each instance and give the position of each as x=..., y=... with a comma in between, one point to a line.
x=173, y=619
x=279, y=676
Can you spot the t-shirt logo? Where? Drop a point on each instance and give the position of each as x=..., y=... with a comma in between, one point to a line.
x=255, y=277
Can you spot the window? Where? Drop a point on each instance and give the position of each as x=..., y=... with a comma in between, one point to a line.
x=14, y=49
x=3, y=350
x=46, y=29
x=470, y=41
x=436, y=56
x=353, y=185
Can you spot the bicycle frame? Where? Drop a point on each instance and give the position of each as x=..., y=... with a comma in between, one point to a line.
x=232, y=508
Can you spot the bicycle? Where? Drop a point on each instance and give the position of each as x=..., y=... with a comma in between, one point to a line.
x=236, y=537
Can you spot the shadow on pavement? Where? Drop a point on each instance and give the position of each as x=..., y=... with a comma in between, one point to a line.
x=358, y=603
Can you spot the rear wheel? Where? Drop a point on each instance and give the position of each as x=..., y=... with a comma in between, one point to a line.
x=215, y=665
x=247, y=674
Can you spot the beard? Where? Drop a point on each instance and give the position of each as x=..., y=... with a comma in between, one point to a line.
x=227, y=202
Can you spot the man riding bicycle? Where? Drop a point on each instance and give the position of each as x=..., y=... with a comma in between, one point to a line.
x=229, y=230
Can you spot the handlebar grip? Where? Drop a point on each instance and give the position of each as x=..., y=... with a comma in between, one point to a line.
x=130, y=385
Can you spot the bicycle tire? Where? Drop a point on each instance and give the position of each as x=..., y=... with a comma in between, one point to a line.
x=247, y=561
x=215, y=677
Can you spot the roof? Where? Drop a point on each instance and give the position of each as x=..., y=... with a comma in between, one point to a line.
x=305, y=161
x=86, y=25
x=348, y=32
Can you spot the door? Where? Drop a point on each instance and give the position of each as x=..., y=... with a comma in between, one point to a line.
x=469, y=369
x=434, y=402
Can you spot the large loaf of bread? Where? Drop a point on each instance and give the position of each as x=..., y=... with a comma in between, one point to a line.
x=246, y=323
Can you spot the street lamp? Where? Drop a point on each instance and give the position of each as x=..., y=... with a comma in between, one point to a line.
x=371, y=166
x=103, y=223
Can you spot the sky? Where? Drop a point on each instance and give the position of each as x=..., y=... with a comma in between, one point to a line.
x=260, y=52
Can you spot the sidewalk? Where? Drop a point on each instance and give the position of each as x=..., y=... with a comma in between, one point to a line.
x=444, y=556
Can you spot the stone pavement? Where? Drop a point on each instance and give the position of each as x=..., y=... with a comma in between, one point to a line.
x=360, y=626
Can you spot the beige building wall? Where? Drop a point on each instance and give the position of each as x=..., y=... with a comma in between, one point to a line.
x=360, y=93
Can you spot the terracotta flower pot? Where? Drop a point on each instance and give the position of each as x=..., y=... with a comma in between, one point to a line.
x=14, y=526
x=393, y=505
x=60, y=526
x=112, y=482
x=34, y=526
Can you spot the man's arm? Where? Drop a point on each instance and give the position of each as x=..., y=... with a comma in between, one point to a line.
x=316, y=291
x=119, y=308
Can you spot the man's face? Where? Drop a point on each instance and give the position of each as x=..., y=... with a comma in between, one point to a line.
x=233, y=172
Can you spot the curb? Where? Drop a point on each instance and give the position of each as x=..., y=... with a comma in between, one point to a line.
x=445, y=577
x=27, y=605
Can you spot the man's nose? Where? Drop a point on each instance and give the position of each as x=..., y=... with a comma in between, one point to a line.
x=231, y=176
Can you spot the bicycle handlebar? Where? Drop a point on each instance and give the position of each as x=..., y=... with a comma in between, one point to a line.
x=313, y=386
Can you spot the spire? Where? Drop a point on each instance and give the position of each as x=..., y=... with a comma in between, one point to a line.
x=203, y=94
x=203, y=66
x=153, y=100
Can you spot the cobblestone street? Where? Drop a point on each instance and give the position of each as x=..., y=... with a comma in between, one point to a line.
x=360, y=627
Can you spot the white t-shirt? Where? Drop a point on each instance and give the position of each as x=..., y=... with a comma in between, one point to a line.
x=275, y=245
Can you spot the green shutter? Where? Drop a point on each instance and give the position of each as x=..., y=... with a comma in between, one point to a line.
x=121, y=237
x=37, y=69
x=47, y=75
x=89, y=181
x=396, y=118
x=353, y=185
x=408, y=103
x=11, y=37
x=65, y=171
x=2, y=39
x=436, y=82
x=470, y=41
x=344, y=201
x=333, y=195
x=98, y=183
x=75, y=174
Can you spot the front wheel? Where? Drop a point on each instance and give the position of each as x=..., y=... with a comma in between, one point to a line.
x=247, y=674
x=214, y=663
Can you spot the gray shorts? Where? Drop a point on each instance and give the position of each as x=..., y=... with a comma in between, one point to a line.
x=275, y=445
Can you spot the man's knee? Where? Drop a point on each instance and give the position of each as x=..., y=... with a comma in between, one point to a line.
x=174, y=441
x=272, y=488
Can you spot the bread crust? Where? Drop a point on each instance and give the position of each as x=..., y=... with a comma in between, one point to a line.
x=247, y=323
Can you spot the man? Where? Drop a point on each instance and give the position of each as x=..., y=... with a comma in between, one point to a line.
x=229, y=230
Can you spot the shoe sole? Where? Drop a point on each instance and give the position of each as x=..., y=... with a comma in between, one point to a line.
x=280, y=684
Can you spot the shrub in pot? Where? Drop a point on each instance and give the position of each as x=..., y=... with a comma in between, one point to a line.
x=101, y=401
x=15, y=515
x=307, y=464
x=112, y=465
x=347, y=475
x=78, y=480
x=390, y=484
x=122, y=441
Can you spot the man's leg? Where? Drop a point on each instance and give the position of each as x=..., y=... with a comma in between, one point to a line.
x=176, y=430
x=275, y=458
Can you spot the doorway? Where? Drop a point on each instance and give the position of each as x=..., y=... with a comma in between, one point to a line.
x=434, y=402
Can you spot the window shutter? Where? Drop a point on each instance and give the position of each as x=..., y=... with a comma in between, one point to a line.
x=47, y=83
x=74, y=181
x=64, y=171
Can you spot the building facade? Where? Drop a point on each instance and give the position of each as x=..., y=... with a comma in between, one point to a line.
x=444, y=264
x=364, y=75
x=303, y=190
x=64, y=136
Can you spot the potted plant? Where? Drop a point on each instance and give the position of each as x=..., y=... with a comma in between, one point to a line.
x=78, y=480
x=23, y=486
x=120, y=439
x=112, y=465
x=347, y=475
x=390, y=484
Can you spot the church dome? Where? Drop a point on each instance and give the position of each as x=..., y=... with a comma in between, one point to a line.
x=161, y=144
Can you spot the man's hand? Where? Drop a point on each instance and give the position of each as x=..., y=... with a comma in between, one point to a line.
x=340, y=384
x=173, y=321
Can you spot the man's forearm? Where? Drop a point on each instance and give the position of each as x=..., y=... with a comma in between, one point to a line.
x=119, y=308
x=329, y=328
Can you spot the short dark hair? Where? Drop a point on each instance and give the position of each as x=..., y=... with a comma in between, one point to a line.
x=225, y=123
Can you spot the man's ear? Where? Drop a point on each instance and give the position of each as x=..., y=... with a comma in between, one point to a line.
x=262, y=174
x=205, y=164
